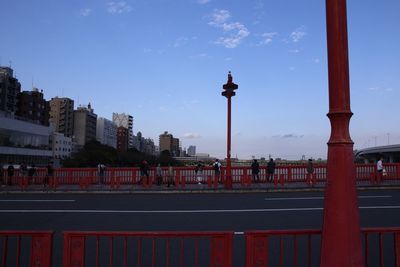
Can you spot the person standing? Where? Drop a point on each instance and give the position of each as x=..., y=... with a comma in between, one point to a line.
x=10, y=173
x=101, y=170
x=255, y=170
x=32, y=174
x=144, y=171
x=310, y=171
x=217, y=170
x=379, y=169
x=49, y=175
x=270, y=170
x=2, y=180
x=199, y=172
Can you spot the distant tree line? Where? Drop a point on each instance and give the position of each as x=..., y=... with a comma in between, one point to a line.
x=94, y=153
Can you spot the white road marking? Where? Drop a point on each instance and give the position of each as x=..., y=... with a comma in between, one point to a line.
x=183, y=211
x=37, y=200
x=316, y=198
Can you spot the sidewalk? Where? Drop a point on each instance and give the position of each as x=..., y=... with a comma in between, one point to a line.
x=188, y=188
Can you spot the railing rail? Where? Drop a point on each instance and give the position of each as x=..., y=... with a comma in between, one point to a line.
x=26, y=248
x=366, y=174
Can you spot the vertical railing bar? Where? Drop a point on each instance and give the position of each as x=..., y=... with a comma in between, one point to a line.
x=381, y=259
x=366, y=249
x=182, y=251
x=97, y=250
x=139, y=251
x=153, y=252
x=18, y=251
x=167, y=252
x=309, y=250
x=125, y=251
x=111, y=250
x=295, y=251
x=5, y=247
x=197, y=252
x=281, y=251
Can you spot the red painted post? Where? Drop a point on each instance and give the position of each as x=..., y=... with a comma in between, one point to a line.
x=221, y=250
x=341, y=236
x=74, y=251
x=228, y=92
x=41, y=248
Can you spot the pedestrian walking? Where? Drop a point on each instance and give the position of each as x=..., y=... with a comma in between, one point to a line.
x=255, y=170
x=270, y=170
x=159, y=174
x=310, y=171
x=170, y=176
x=380, y=169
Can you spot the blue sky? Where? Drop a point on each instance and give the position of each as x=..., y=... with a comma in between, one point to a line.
x=165, y=61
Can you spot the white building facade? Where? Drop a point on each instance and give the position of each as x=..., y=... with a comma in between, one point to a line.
x=61, y=145
x=106, y=132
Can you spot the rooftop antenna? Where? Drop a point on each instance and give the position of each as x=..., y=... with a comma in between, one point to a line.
x=32, y=83
x=10, y=62
x=62, y=92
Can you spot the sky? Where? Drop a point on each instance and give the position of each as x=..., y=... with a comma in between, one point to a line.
x=165, y=61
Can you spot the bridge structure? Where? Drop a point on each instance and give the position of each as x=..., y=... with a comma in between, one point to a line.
x=341, y=242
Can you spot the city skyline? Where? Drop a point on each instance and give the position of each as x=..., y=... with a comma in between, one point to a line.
x=165, y=63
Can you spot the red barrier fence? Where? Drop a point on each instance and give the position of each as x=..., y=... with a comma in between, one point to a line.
x=302, y=247
x=147, y=249
x=182, y=176
x=26, y=248
x=263, y=248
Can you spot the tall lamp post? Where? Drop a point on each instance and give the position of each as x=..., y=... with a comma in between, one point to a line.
x=341, y=235
x=229, y=91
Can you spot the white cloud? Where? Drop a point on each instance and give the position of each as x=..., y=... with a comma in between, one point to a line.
x=267, y=37
x=380, y=89
x=191, y=135
x=85, y=12
x=118, y=7
x=202, y=2
x=298, y=34
x=234, y=32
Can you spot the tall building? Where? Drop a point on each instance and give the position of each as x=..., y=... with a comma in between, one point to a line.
x=106, y=132
x=145, y=145
x=85, y=121
x=169, y=143
x=33, y=107
x=165, y=142
x=191, y=151
x=9, y=89
x=62, y=115
x=125, y=120
x=122, y=139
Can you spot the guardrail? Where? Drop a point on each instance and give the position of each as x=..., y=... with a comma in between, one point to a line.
x=262, y=248
x=148, y=249
x=182, y=176
x=302, y=247
x=26, y=248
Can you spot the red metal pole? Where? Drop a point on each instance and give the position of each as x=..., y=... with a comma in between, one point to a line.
x=228, y=153
x=341, y=235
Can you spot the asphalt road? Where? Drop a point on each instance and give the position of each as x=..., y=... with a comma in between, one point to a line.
x=185, y=212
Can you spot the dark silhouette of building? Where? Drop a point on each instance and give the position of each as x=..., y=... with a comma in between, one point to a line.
x=62, y=115
x=85, y=124
x=9, y=89
x=33, y=107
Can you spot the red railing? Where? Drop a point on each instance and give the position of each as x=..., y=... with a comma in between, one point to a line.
x=148, y=249
x=116, y=177
x=26, y=248
x=302, y=247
